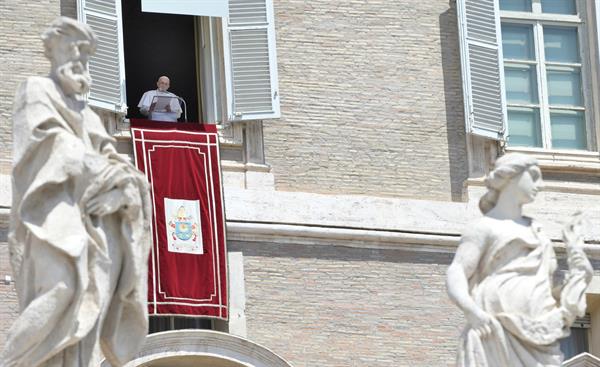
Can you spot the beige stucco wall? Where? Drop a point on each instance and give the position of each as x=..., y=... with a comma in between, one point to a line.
x=371, y=99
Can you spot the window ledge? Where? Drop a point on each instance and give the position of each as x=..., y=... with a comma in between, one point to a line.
x=553, y=186
x=234, y=166
x=563, y=161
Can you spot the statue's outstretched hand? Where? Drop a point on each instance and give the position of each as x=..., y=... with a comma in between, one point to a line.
x=572, y=232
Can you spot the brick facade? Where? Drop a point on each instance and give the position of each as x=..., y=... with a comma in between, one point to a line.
x=335, y=306
x=371, y=99
x=21, y=55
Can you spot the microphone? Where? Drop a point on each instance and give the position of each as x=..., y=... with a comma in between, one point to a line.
x=184, y=107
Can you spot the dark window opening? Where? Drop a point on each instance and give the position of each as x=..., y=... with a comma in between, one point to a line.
x=159, y=44
x=576, y=343
x=166, y=323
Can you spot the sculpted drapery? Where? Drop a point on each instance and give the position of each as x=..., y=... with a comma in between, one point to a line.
x=79, y=226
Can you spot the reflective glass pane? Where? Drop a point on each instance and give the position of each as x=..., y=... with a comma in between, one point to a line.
x=568, y=129
x=564, y=86
x=517, y=42
x=559, y=6
x=520, y=84
x=560, y=44
x=524, y=127
x=515, y=5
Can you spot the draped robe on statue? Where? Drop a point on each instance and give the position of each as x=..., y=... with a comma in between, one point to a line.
x=514, y=285
x=81, y=279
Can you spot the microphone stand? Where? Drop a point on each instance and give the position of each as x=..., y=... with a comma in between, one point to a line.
x=184, y=108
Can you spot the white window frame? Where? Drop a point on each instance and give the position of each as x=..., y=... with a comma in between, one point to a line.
x=220, y=87
x=538, y=19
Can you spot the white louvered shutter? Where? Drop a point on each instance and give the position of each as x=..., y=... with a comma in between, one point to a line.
x=107, y=65
x=250, y=60
x=483, y=77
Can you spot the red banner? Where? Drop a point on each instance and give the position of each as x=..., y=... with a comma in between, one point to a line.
x=188, y=261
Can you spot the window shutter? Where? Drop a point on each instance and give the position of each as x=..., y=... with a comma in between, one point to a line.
x=250, y=60
x=107, y=65
x=209, y=8
x=482, y=73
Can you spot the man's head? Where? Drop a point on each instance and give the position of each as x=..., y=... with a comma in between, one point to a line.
x=163, y=83
x=68, y=45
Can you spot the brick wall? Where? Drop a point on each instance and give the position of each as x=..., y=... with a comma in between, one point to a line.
x=21, y=55
x=371, y=99
x=335, y=306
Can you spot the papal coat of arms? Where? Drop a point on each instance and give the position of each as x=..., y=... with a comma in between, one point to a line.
x=184, y=233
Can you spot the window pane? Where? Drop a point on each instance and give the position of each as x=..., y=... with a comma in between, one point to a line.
x=559, y=6
x=564, y=86
x=524, y=127
x=560, y=44
x=517, y=42
x=515, y=5
x=568, y=129
x=520, y=84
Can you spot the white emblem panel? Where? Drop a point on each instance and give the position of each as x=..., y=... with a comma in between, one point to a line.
x=184, y=233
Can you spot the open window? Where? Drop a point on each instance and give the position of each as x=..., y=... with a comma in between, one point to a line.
x=528, y=72
x=219, y=55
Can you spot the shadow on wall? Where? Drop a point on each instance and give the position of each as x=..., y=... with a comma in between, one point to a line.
x=457, y=144
x=340, y=253
x=68, y=8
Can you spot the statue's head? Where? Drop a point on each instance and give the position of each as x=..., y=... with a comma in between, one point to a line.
x=68, y=45
x=516, y=172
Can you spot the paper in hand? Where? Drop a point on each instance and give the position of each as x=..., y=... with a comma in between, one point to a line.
x=160, y=103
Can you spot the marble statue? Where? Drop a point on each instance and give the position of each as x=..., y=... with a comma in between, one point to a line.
x=79, y=231
x=501, y=276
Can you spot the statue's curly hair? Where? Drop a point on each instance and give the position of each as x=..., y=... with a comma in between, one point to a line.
x=64, y=26
x=505, y=168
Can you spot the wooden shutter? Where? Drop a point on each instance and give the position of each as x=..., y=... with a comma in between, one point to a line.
x=209, y=8
x=482, y=73
x=250, y=60
x=107, y=65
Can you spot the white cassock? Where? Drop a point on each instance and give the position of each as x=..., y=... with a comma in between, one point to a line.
x=147, y=100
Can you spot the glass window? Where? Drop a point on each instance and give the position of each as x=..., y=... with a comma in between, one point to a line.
x=560, y=44
x=517, y=42
x=559, y=7
x=515, y=5
x=568, y=129
x=524, y=127
x=543, y=81
x=520, y=84
x=564, y=86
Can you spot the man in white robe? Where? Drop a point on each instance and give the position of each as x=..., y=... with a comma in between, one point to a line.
x=150, y=103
